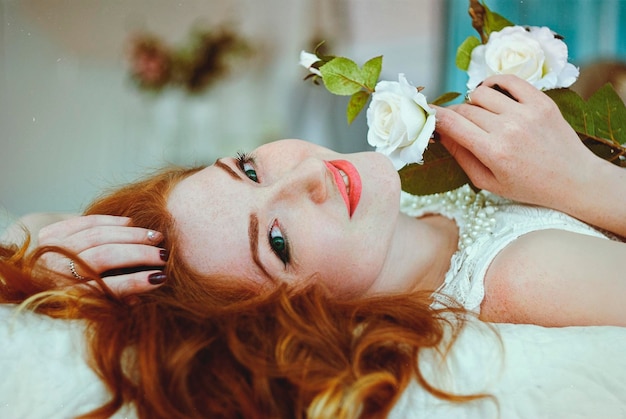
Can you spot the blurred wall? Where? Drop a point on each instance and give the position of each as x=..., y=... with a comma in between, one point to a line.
x=71, y=123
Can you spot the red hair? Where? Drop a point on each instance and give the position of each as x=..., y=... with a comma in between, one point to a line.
x=202, y=347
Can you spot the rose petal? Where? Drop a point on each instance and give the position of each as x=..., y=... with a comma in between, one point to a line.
x=307, y=59
x=533, y=53
x=400, y=121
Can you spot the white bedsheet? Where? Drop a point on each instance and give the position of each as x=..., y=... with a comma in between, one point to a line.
x=542, y=373
x=573, y=372
x=43, y=372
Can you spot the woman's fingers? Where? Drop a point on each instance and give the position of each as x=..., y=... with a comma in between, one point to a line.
x=104, y=242
x=465, y=141
x=482, y=118
x=493, y=98
x=459, y=125
x=101, y=235
x=480, y=174
x=56, y=233
x=522, y=91
x=133, y=283
x=107, y=245
x=107, y=257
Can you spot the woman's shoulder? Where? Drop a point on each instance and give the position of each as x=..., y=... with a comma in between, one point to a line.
x=556, y=278
x=487, y=225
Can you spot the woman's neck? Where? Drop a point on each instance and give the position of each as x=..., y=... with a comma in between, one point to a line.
x=445, y=242
x=420, y=254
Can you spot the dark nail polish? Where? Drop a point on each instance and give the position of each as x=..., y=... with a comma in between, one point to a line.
x=157, y=278
x=164, y=255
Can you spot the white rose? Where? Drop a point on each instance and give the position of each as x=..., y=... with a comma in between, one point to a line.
x=307, y=59
x=400, y=122
x=533, y=54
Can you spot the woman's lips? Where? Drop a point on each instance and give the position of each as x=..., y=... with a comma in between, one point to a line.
x=348, y=182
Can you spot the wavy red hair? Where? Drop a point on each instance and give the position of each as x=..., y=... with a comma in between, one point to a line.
x=202, y=347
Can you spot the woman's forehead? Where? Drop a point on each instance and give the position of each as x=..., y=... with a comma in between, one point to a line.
x=211, y=221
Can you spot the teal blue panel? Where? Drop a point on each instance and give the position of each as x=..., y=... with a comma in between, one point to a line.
x=593, y=29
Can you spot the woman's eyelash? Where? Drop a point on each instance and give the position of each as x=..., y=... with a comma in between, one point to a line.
x=245, y=162
x=243, y=156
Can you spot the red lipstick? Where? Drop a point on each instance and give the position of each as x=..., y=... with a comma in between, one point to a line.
x=348, y=182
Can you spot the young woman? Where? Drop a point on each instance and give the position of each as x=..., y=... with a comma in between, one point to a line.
x=293, y=276
x=211, y=344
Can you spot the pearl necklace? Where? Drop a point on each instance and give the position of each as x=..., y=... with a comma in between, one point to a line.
x=472, y=212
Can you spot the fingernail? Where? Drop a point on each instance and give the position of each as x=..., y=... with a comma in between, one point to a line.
x=157, y=278
x=164, y=255
x=154, y=236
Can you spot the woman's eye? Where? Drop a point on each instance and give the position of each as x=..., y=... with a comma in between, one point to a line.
x=246, y=165
x=249, y=171
x=278, y=243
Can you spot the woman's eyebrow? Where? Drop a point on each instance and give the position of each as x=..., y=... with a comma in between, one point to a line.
x=253, y=225
x=253, y=235
x=220, y=163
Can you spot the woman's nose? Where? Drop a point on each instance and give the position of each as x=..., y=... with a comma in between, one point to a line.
x=308, y=180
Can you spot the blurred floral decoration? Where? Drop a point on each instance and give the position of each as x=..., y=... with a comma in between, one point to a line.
x=207, y=56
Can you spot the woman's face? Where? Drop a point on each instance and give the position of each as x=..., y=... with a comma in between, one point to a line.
x=293, y=212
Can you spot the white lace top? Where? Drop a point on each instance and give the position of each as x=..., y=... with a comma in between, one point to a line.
x=487, y=223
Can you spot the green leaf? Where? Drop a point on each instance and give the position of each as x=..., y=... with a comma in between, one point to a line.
x=342, y=76
x=356, y=104
x=609, y=114
x=439, y=173
x=602, y=116
x=574, y=110
x=464, y=52
x=599, y=122
x=371, y=71
x=445, y=98
x=493, y=22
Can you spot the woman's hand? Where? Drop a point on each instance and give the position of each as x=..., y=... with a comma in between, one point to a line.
x=523, y=149
x=106, y=243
